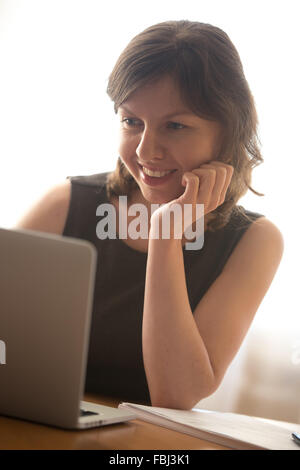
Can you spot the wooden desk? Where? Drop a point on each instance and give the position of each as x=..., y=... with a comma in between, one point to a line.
x=133, y=435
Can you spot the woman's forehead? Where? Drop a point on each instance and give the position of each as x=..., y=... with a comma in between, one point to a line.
x=162, y=95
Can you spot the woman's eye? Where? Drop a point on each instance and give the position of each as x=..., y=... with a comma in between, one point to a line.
x=129, y=122
x=176, y=125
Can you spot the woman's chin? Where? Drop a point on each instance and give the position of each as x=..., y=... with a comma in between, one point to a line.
x=153, y=197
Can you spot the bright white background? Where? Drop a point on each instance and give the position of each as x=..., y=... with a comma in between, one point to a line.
x=56, y=120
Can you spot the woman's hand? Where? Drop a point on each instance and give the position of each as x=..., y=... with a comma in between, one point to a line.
x=206, y=185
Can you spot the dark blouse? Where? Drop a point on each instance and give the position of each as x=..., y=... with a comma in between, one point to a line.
x=115, y=360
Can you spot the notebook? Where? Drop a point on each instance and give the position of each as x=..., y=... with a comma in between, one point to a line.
x=232, y=430
x=46, y=298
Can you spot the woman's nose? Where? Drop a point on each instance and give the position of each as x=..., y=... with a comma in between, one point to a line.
x=149, y=147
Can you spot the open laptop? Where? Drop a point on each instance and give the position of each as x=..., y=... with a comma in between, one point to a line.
x=46, y=299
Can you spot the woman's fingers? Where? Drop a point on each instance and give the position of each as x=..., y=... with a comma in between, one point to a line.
x=229, y=170
x=191, y=183
x=214, y=180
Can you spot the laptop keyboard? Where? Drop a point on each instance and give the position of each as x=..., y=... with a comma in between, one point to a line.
x=87, y=413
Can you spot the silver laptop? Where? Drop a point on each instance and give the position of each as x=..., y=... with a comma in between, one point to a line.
x=46, y=299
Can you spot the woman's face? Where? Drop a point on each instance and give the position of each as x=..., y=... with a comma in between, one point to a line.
x=159, y=132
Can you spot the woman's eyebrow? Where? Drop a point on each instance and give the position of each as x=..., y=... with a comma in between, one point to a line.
x=182, y=112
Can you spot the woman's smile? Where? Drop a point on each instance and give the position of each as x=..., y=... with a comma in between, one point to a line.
x=156, y=177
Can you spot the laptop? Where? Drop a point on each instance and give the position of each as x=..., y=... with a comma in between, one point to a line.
x=46, y=299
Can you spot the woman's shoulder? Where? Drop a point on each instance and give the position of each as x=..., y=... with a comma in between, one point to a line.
x=262, y=241
x=266, y=229
x=49, y=212
x=257, y=227
x=253, y=221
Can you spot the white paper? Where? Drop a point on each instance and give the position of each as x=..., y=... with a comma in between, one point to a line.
x=235, y=430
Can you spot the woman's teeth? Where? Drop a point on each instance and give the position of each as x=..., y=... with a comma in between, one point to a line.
x=156, y=174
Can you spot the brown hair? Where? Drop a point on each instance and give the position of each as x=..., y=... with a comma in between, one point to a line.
x=208, y=71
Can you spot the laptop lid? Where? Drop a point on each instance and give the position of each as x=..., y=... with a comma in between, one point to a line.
x=46, y=297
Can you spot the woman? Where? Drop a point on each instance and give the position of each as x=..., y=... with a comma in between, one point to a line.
x=168, y=321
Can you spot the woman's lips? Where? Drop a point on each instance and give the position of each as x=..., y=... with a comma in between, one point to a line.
x=155, y=180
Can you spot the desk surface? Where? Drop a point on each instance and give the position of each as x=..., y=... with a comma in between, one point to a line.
x=133, y=435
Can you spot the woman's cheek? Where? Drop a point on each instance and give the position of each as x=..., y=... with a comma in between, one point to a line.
x=126, y=148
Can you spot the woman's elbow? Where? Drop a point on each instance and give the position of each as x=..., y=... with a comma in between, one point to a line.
x=184, y=403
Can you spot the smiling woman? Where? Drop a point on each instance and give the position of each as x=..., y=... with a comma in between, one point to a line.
x=196, y=70
x=168, y=321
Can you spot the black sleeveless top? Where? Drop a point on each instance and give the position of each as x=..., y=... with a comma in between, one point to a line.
x=115, y=361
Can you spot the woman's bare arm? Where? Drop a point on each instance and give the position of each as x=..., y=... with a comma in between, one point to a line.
x=186, y=353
